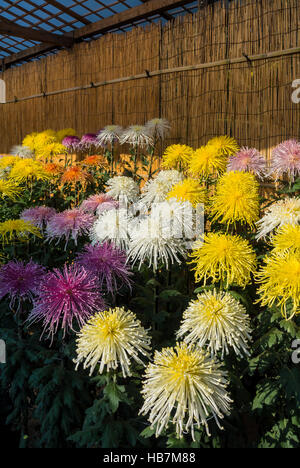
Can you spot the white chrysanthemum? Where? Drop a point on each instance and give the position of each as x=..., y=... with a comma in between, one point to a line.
x=112, y=338
x=136, y=135
x=109, y=135
x=184, y=386
x=22, y=152
x=121, y=187
x=177, y=217
x=156, y=190
x=151, y=241
x=112, y=226
x=158, y=128
x=218, y=321
x=279, y=214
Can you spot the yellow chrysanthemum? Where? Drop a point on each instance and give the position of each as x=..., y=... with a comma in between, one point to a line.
x=177, y=156
x=189, y=190
x=9, y=189
x=28, y=170
x=280, y=282
x=17, y=230
x=29, y=141
x=207, y=161
x=223, y=258
x=8, y=162
x=287, y=238
x=227, y=145
x=61, y=134
x=112, y=338
x=184, y=386
x=47, y=146
x=236, y=199
x=218, y=321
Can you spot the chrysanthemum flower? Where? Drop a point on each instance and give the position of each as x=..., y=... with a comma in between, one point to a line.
x=71, y=143
x=207, y=161
x=47, y=145
x=223, y=258
x=107, y=263
x=29, y=141
x=109, y=135
x=156, y=190
x=158, y=128
x=184, y=386
x=248, y=160
x=286, y=160
x=69, y=224
x=136, y=135
x=283, y=212
x=177, y=156
x=73, y=175
x=20, y=281
x=122, y=187
x=227, y=145
x=53, y=169
x=7, y=162
x=94, y=161
x=88, y=141
x=178, y=218
x=22, y=152
x=9, y=189
x=65, y=296
x=111, y=339
x=112, y=226
x=218, y=321
x=27, y=170
x=286, y=238
x=189, y=190
x=152, y=241
x=38, y=215
x=236, y=199
x=100, y=203
x=280, y=282
x=17, y=230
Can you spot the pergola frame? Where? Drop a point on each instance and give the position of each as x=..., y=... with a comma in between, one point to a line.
x=50, y=41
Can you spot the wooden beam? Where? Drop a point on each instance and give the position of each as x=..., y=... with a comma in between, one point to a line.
x=149, y=8
x=12, y=29
x=68, y=11
x=167, y=16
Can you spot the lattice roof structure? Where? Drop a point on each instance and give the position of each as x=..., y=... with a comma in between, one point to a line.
x=30, y=29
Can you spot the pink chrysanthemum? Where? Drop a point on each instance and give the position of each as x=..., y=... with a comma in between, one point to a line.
x=107, y=263
x=286, y=160
x=38, y=215
x=88, y=141
x=20, y=281
x=64, y=296
x=71, y=143
x=100, y=203
x=69, y=224
x=248, y=160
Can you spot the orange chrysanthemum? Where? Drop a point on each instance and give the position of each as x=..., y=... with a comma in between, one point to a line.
x=74, y=174
x=96, y=161
x=53, y=169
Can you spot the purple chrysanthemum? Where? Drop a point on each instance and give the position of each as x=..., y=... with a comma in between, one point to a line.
x=69, y=224
x=71, y=143
x=107, y=263
x=286, y=160
x=248, y=160
x=38, y=215
x=99, y=203
x=64, y=296
x=20, y=281
x=89, y=141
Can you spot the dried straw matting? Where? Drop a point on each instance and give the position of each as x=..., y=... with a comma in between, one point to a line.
x=251, y=101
